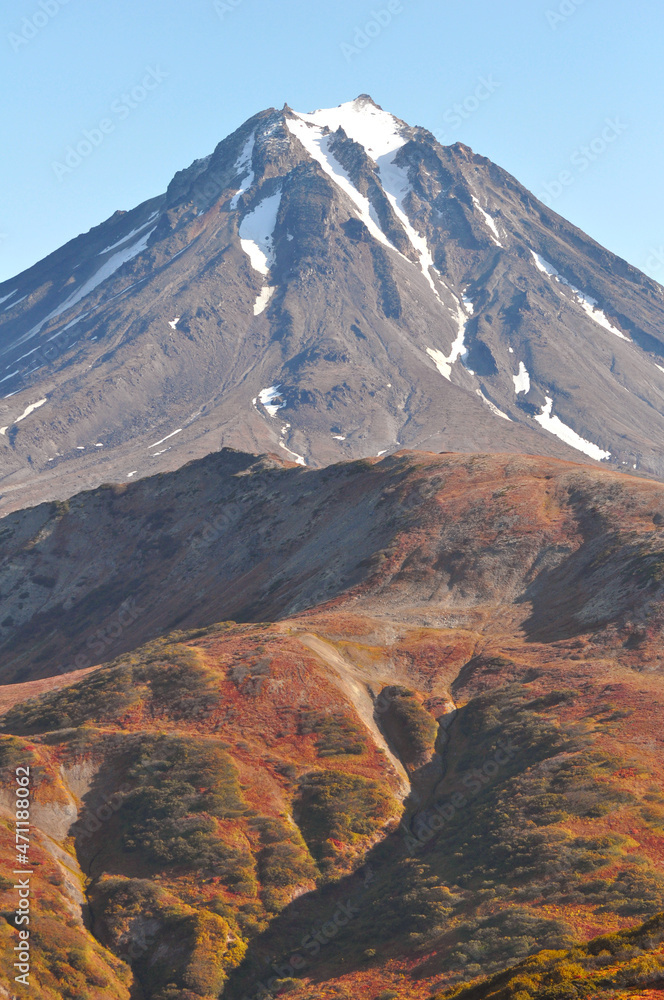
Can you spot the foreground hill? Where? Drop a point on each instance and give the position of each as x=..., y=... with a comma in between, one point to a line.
x=624, y=964
x=221, y=810
x=326, y=286
x=427, y=760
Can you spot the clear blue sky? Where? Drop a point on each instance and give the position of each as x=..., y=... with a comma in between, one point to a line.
x=558, y=69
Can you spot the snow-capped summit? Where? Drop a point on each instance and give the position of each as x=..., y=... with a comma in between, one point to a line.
x=365, y=122
x=400, y=293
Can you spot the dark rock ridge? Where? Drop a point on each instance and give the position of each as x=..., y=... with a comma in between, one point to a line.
x=552, y=548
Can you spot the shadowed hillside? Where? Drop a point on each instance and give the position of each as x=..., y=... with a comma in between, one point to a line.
x=475, y=541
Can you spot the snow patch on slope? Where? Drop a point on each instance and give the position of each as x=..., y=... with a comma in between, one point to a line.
x=108, y=268
x=522, y=380
x=257, y=233
x=282, y=444
x=244, y=165
x=298, y=458
x=317, y=144
x=444, y=363
x=261, y=303
x=267, y=399
x=172, y=434
x=6, y=297
x=30, y=409
x=12, y=305
x=555, y=426
x=441, y=362
x=67, y=327
x=492, y=406
x=124, y=239
x=544, y=266
x=377, y=130
x=380, y=134
x=397, y=187
x=587, y=302
x=490, y=222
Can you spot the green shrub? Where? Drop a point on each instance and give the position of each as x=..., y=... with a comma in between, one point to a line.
x=170, y=675
x=14, y=753
x=334, y=806
x=588, y=971
x=180, y=786
x=102, y=696
x=176, y=950
x=508, y=935
x=284, y=862
x=410, y=729
x=180, y=686
x=409, y=900
x=337, y=734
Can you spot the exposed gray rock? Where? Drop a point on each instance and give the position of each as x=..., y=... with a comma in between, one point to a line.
x=165, y=359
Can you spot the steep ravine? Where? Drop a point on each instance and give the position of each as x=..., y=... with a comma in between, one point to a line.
x=355, y=685
x=415, y=738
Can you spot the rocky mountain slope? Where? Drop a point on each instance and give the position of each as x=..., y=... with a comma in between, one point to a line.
x=326, y=286
x=426, y=762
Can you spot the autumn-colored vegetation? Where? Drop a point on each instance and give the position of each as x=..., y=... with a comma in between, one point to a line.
x=389, y=797
x=613, y=965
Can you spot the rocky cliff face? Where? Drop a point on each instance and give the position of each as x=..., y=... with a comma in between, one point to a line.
x=326, y=286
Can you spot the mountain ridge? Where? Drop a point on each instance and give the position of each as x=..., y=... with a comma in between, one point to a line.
x=248, y=538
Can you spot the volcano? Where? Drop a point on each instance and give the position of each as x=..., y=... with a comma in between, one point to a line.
x=326, y=287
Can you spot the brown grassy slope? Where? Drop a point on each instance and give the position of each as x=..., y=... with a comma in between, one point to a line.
x=61, y=947
x=426, y=903
x=187, y=764
x=448, y=540
x=236, y=785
